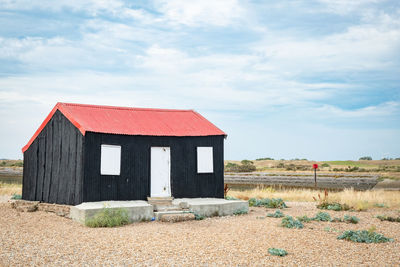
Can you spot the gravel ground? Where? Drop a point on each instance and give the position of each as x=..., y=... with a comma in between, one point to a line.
x=41, y=238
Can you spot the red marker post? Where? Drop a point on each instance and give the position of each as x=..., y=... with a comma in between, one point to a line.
x=315, y=167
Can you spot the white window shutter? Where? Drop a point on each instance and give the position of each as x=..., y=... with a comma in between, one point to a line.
x=110, y=160
x=205, y=161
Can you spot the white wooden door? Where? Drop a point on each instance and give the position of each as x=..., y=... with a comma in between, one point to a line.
x=160, y=172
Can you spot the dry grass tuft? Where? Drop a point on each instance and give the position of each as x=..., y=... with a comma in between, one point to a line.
x=360, y=200
x=10, y=189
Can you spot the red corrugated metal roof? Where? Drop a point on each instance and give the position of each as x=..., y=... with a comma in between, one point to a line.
x=132, y=121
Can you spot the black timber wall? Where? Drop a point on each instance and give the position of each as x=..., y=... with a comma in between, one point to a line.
x=53, y=164
x=134, y=181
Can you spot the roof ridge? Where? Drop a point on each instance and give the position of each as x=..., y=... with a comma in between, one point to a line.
x=124, y=108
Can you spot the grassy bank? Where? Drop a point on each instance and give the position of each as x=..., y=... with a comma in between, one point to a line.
x=357, y=199
x=10, y=189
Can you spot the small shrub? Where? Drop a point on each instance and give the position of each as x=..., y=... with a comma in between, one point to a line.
x=232, y=167
x=231, y=198
x=198, y=217
x=290, y=167
x=240, y=212
x=325, y=165
x=264, y=159
x=325, y=204
x=322, y=217
x=333, y=206
x=329, y=229
x=380, y=205
x=351, y=219
x=289, y=222
x=109, y=218
x=245, y=166
x=280, y=165
x=277, y=214
x=365, y=158
x=388, y=218
x=274, y=203
x=364, y=237
x=277, y=252
x=304, y=218
x=16, y=196
x=17, y=164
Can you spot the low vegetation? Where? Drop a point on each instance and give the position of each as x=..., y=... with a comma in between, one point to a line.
x=333, y=206
x=325, y=204
x=351, y=219
x=277, y=252
x=11, y=163
x=240, y=212
x=325, y=217
x=359, y=200
x=267, y=202
x=109, y=218
x=244, y=166
x=387, y=167
x=304, y=218
x=364, y=236
x=7, y=189
x=16, y=196
x=198, y=217
x=290, y=222
x=276, y=214
x=388, y=218
x=322, y=217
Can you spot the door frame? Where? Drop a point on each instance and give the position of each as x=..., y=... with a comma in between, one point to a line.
x=169, y=171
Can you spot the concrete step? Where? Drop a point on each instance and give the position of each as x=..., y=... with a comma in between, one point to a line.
x=173, y=215
x=166, y=208
x=163, y=201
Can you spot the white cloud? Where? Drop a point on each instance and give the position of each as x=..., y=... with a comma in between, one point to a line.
x=387, y=109
x=201, y=12
x=363, y=47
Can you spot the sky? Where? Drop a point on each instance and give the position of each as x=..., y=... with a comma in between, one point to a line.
x=315, y=79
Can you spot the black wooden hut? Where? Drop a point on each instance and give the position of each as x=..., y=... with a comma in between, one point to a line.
x=83, y=153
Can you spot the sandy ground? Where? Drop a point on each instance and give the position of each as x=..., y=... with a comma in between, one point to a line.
x=41, y=238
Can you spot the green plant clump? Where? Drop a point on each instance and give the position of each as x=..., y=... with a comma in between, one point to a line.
x=231, y=198
x=333, y=206
x=277, y=252
x=16, y=196
x=351, y=219
x=364, y=236
x=388, y=218
x=240, y=212
x=289, y=222
x=277, y=214
x=274, y=203
x=198, y=217
x=322, y=217
x=304, y=218
x=109, y=218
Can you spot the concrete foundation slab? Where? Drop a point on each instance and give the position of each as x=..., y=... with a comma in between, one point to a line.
x=138, y=210
x=209, y=207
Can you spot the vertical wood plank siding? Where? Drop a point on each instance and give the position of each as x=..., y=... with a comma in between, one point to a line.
x=62, y=166
x=134, y=180
x=53, y=164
